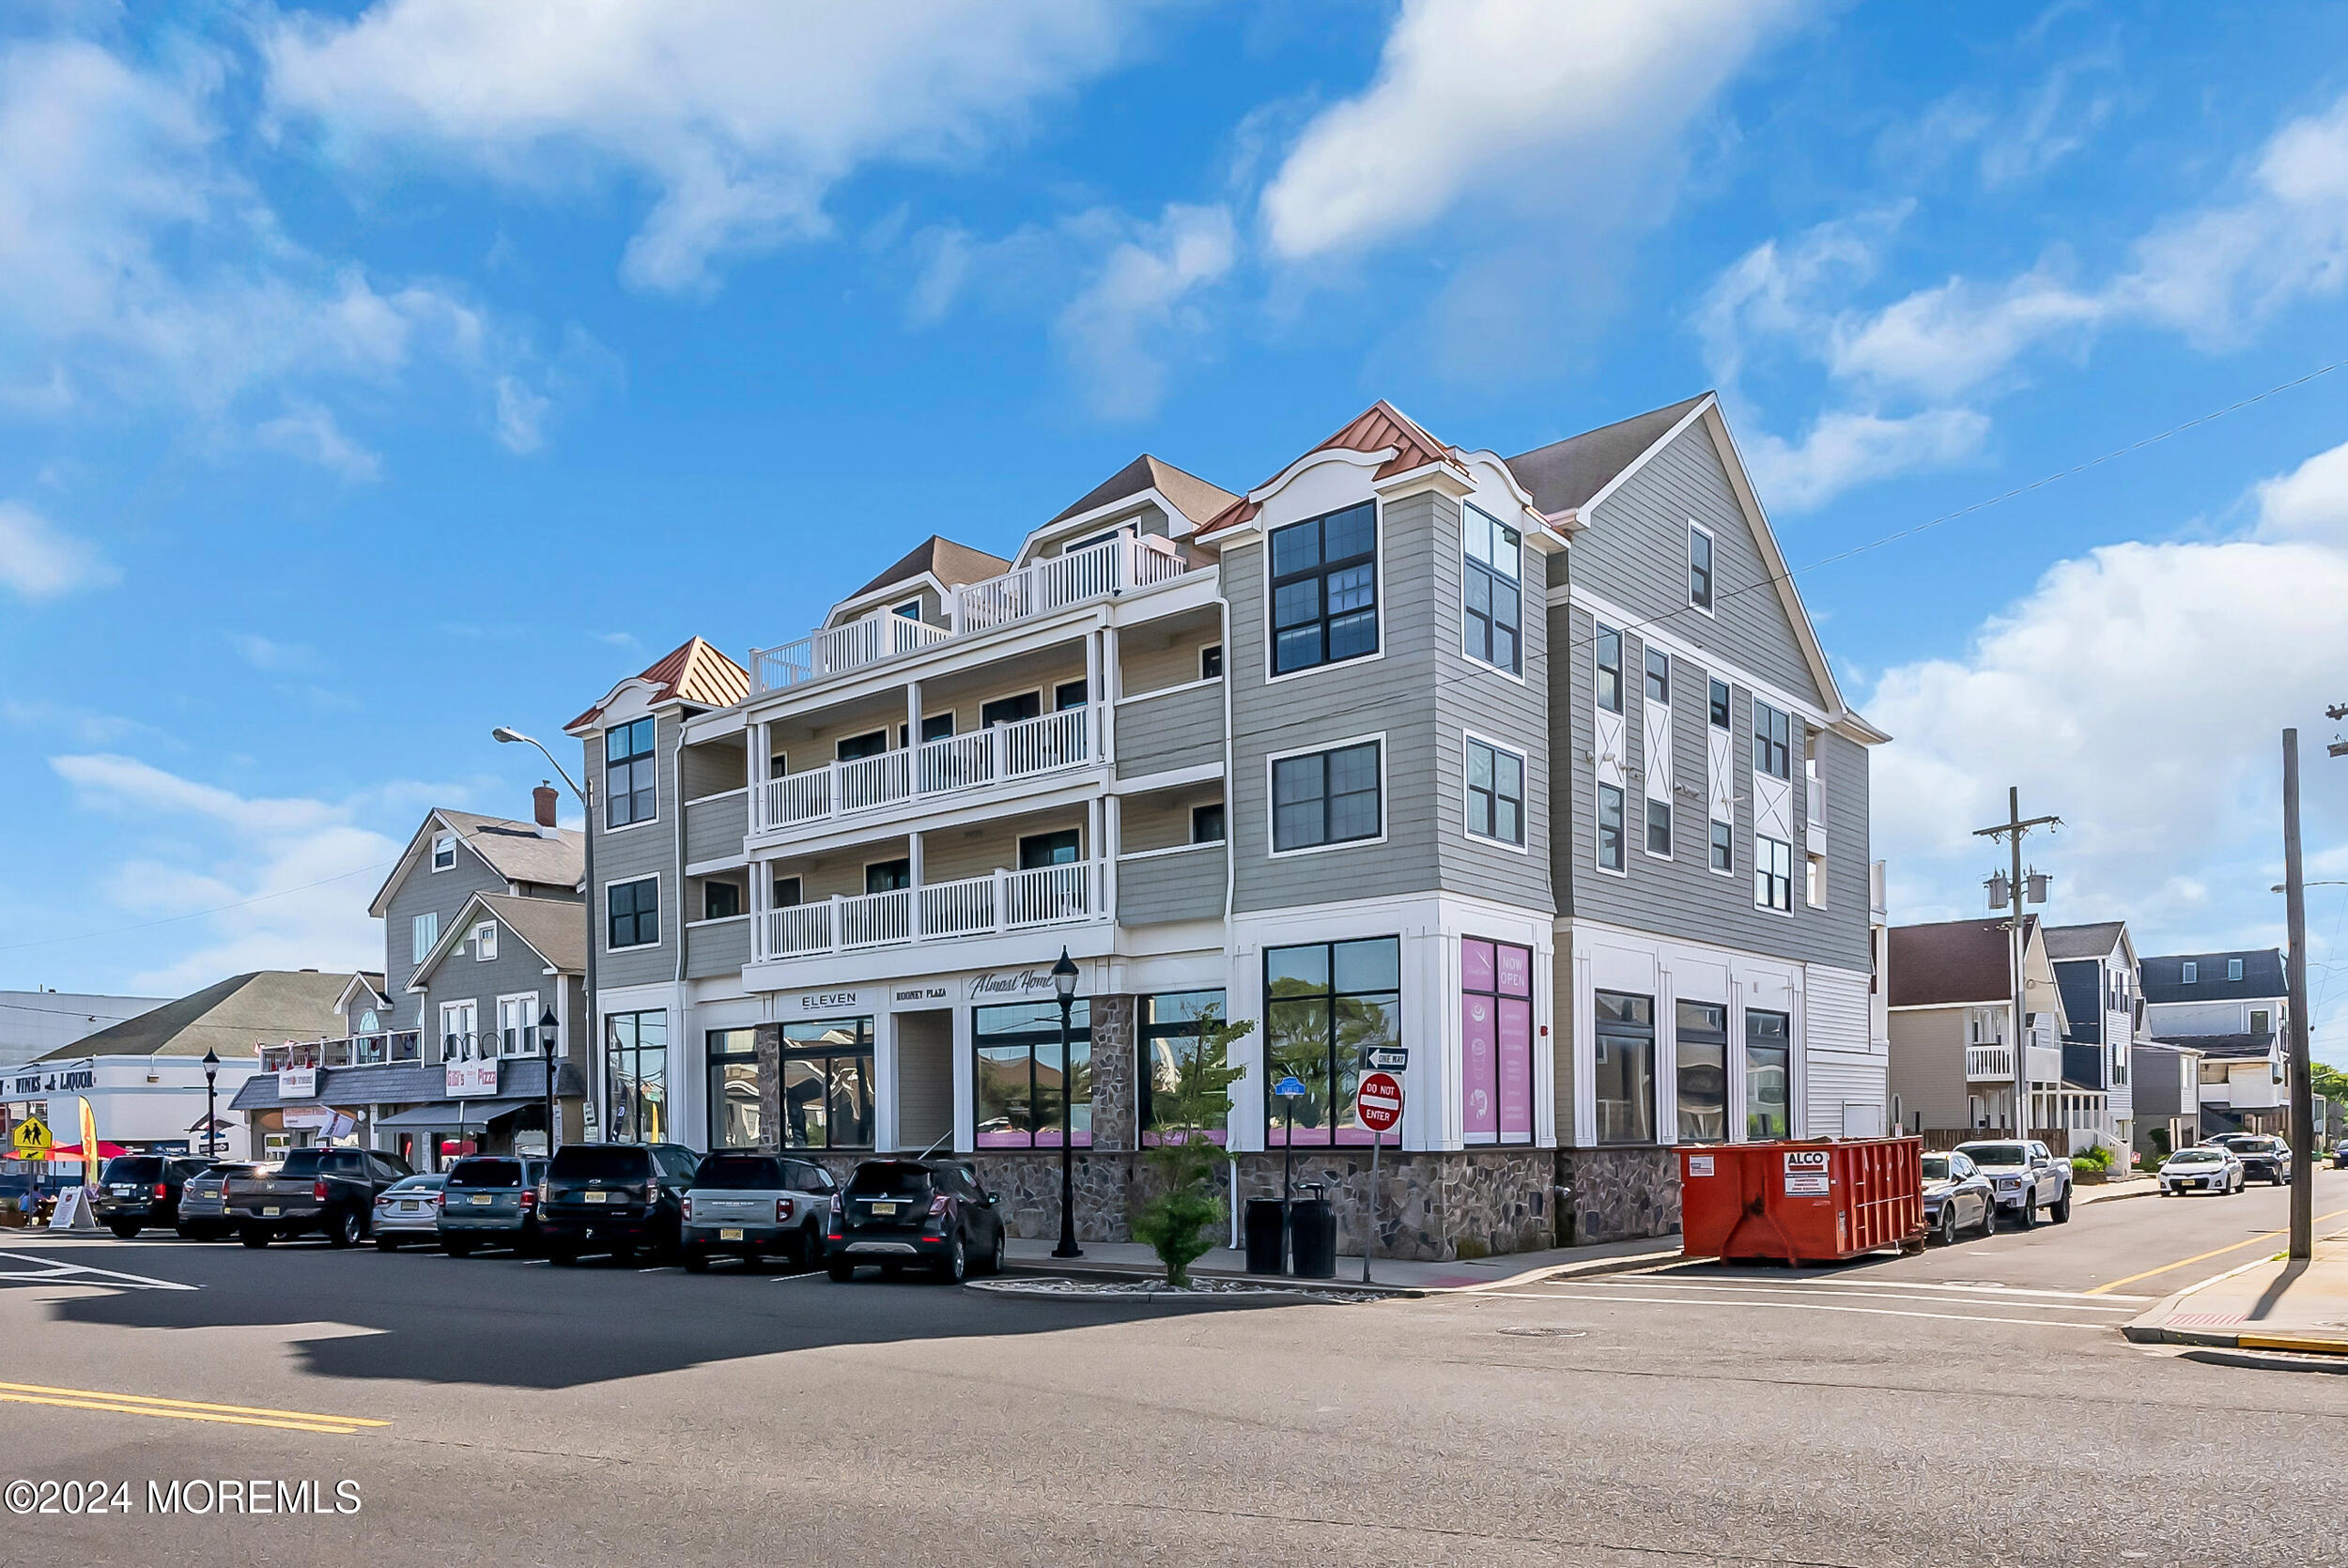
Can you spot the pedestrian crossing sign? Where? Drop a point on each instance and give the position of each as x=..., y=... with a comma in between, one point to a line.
x=31, y=1139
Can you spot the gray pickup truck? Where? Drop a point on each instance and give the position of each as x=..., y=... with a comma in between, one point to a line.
x=2027, y=1177
x=329, y=1191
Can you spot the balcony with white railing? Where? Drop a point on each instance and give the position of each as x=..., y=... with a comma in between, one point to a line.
x=1040, y=588
x=935, y=770
x=1990, y=1063
x=939, y=911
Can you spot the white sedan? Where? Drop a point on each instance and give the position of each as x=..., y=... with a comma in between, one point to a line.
x=2202, y=1168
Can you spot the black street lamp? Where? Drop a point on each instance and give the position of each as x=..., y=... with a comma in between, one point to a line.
x=547, y=1029
x=1064, y=983
x=211, y=1092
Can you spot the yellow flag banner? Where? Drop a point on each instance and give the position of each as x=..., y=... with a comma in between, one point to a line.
x=89, y=1143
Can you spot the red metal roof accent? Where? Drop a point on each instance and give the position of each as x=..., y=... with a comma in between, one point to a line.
x=693, y=671
x=1380, y=427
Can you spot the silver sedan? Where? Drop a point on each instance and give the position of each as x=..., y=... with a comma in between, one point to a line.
x=408, y=1210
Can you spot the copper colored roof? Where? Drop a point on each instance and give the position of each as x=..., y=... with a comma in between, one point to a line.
x=1378, y=428
x=1194, y=497
x=693, y=672
x=952, y=564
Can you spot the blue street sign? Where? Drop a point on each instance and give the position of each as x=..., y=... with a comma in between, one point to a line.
x=1291, y=1087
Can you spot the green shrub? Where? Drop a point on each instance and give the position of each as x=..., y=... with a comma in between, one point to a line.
x=2096, y=1157
x=1177, y=1224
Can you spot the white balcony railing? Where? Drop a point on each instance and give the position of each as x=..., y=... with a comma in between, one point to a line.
x=1994, y=1063
x=1040, y=588
x=945, y=910
x=1006, y=752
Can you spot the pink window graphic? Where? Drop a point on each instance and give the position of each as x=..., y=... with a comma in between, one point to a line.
x=1496, y=1041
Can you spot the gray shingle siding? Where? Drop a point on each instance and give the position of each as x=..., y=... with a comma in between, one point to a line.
x=424, y=890
x=638, y=849
x=721, y=948
x=713, y=829
x=1184, y=886
x=1179, y=730
x=462, y=978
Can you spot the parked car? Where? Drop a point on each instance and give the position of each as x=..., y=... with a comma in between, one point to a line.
x=1958, y=1197
x=2263, y=1156
x=135, y=1191
x=2339, y=1155
x=491, y=1200
x=753, y=1206
x=622, y=1197
x=408, y=1210
x=330, y=1190
x=2027, y=1177
x=204, y=1201
x=898, y=1211
x=2200, y=1168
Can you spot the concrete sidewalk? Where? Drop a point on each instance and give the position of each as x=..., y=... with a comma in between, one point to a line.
x=1131, y=1259
x=2105, y=1192
x=2269, y=1304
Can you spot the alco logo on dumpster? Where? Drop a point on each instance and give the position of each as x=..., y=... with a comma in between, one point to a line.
x=1805, y=1174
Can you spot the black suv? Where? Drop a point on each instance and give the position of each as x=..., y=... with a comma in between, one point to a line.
x=620, y=1198
x=2264, y=1156
x=139, y=1190
x=898, y=1211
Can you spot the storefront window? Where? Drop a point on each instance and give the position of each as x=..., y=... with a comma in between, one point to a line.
x=1768, y=1075
x=1169, y=1033
x=828, y=1083
x=1019, y=1074
x=1324, y=1005
x=1703, y=1072
x=1496, y=1041
x=1625, y=1079
x=635, y=1047
x=733, y=1088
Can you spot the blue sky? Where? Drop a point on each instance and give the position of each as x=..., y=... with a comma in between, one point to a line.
x=374, y=373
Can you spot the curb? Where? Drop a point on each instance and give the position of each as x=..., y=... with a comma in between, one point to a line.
x=2253, y=1360
x=1341, y=1296
x=2152, y=1328
x=1583, y=1270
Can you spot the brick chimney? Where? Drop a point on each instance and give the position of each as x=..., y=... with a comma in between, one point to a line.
x=542, y=800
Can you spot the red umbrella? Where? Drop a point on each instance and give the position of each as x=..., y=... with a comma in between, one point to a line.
x=73, y=1151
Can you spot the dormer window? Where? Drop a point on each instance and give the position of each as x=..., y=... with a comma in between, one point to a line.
x=2234, y=969
x=910, y=609
x=1324, y=589
x=444, y=851
x=485, y=940
x=2192, y=973
x=630, y=782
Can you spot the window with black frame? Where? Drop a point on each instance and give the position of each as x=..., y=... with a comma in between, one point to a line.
x=636, y=1075
x=1493, y=588
x=1609, y=827
x=1324, y=1005
x=1606, y=661
x=631, y=791
x=1773, y=741
x=733, y=1055
x=1169, y=1040
x=1769, y=1074
x=1017, y=1078
x=1324, y=589
x=1703, y=1042
x=1495, y=793
x=632, y=914
x=1325, y=797
x=1625, y=1077
x=826, y=1066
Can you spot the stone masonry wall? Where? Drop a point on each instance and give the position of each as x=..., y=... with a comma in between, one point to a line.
x=1114, y=1109
x=1612, y=1194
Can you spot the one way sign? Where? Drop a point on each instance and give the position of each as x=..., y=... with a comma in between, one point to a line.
x=1387, y=1058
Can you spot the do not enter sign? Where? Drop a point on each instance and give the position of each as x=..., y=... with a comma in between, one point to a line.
x=1379, y=1101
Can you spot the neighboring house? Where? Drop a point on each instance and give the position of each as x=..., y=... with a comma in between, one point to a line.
x=483, y=922
x=2167, y=1081
x=2234, y=1010
x=143, y=1076
x=1503, y=760
x=1951, y=1014
x=2095, y=966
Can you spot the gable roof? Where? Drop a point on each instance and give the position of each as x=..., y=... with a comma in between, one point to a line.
x=2094, y=941
x=693, y=671
x=554, y=928
x=1193, y=497
x=1565, y=474
x=2236, y=1047
x=513, y=850
x=2162, y=979
x=953, y=566
x=1950, y=963
x=1376, y=429
x=231, y=1017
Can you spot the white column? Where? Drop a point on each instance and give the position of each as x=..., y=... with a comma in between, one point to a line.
x=1112, y=845
x=1093, y=665
x=1112, y=689
x=885, y=1078
x=1666, y=1056
x=913, y=855
x=913, y=717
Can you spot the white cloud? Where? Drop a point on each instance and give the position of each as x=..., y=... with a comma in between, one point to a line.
x=39, y=560
x=2138, y=692
x=1534, y=102
x=265, y=653
x=1117, y=331
x=1844, y=450
x=741, y=114
x=310, y=432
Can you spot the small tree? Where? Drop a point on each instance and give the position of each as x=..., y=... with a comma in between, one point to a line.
x=1174, y=1223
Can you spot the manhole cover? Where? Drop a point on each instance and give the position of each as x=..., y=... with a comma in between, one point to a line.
x=1529, y=1332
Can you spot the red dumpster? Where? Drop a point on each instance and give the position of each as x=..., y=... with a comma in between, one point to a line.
x=1802, y=1200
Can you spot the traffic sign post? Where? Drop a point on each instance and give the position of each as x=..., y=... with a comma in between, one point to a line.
x=1290, y=1087
x=31, y=1139
x=1377, y=1104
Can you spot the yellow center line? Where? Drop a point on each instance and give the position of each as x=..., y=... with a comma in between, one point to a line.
x=338, y=1431
x=2214, y=1252
x=193, y=1404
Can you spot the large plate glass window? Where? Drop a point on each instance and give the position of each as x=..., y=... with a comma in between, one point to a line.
x=1324, y=1005
x=631, y=791
x=1495, y=793
x=1019, y=1075
x=1703, y=1072
x=1494, y=590
x=1325, y=797
x=1768, y=1075
x=1496, y=1041
x=826, y=1070
x=636, y=1075
x=1624, y=1076
x=1324, y=588
x=734, y=1119
x=1169, y=1039
x=633, y=912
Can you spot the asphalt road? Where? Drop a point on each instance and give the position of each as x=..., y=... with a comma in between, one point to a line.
x=1975, y=1406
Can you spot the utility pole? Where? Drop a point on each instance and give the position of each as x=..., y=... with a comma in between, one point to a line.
x=2011, y=830
x=2295, y=981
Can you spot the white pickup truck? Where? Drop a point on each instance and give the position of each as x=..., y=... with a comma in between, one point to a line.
x=2027, y=1177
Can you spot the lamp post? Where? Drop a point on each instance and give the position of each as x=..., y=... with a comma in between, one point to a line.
x=505, y=735
x=547, y=1027
x=211, y=1092
x=1064, y=984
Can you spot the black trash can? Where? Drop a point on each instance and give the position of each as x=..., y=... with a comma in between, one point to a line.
x=1314, y=1237
x=1264, y=1240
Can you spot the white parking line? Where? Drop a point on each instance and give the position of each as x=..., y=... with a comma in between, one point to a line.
x=1847, y=1288
x=54, y=1271
x=1623, y=1297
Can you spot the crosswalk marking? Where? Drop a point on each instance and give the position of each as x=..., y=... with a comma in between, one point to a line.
x=1844, y=1290
x=1624, y=1297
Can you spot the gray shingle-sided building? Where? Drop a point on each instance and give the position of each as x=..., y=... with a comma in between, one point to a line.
x=2235, y=1008
x=1532, y=766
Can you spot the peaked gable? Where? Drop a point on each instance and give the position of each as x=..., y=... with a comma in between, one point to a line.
x=693, y=671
